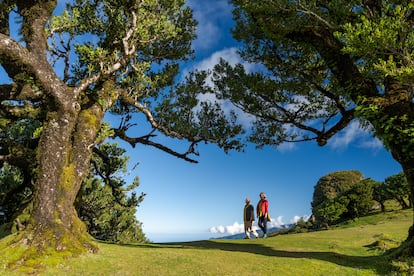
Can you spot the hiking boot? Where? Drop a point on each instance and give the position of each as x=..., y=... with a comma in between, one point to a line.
x=264, y=236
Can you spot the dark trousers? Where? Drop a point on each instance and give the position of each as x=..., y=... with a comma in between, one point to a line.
x=262, y=223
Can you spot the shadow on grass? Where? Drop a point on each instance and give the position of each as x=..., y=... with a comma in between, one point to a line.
x=377, y=263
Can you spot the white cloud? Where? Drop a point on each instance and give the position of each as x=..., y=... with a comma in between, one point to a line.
x=229, y=54
x=295, y=219
x=209, y=14
x=373, y=143
x=235, y=228
x=217, y=229
x=275, y=222
x=353, y=133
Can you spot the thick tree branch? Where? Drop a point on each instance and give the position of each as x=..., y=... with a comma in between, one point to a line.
x=22, y=58
x=129, y=100
x=341, y=65
x=146, y=141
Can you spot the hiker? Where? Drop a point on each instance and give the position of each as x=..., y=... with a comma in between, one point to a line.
x=262, y=210
x=248, y=218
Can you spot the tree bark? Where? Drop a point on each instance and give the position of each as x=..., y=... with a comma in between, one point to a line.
x=54, y=222
x=64, y=154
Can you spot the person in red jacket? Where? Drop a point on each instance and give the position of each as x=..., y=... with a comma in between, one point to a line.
x=262, y=211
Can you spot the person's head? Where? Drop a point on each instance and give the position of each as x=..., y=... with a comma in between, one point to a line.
x=262, y=195
x=247, y=200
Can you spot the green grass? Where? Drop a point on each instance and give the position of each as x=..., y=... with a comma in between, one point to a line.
x=356, y=248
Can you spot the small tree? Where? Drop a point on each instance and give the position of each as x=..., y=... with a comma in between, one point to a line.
x=106, y=203
x=397, y=187
x=381, y=194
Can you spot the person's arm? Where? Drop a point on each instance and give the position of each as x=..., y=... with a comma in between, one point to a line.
x=251, y=217
x=266, y=208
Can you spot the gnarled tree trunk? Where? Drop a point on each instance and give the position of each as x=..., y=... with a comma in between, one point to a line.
x=65, y=145
x=64, y=154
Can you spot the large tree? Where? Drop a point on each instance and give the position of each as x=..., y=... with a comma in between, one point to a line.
x=63, y=73
x=323, y=65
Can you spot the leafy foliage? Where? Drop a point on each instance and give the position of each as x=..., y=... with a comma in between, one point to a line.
x=106, y=203
x=13, y=194
x=358, y=199
x=331, y=185
x=329, y=212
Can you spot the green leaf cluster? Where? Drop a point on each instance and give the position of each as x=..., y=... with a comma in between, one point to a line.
x=384, y=43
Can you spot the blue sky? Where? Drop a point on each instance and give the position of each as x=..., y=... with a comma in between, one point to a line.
x=188, y=201
x=199, y=201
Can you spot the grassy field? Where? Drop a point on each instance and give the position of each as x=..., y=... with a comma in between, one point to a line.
x=353, y=249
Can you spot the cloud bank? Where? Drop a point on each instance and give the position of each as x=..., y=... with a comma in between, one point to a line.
x=237, y=228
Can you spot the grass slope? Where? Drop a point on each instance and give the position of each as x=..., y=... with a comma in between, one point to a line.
x=354, y=249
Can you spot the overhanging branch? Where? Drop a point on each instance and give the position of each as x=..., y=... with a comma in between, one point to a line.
x=145, y=140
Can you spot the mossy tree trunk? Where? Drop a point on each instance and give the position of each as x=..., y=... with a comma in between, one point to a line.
x=65, y=144
x=64, y=152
